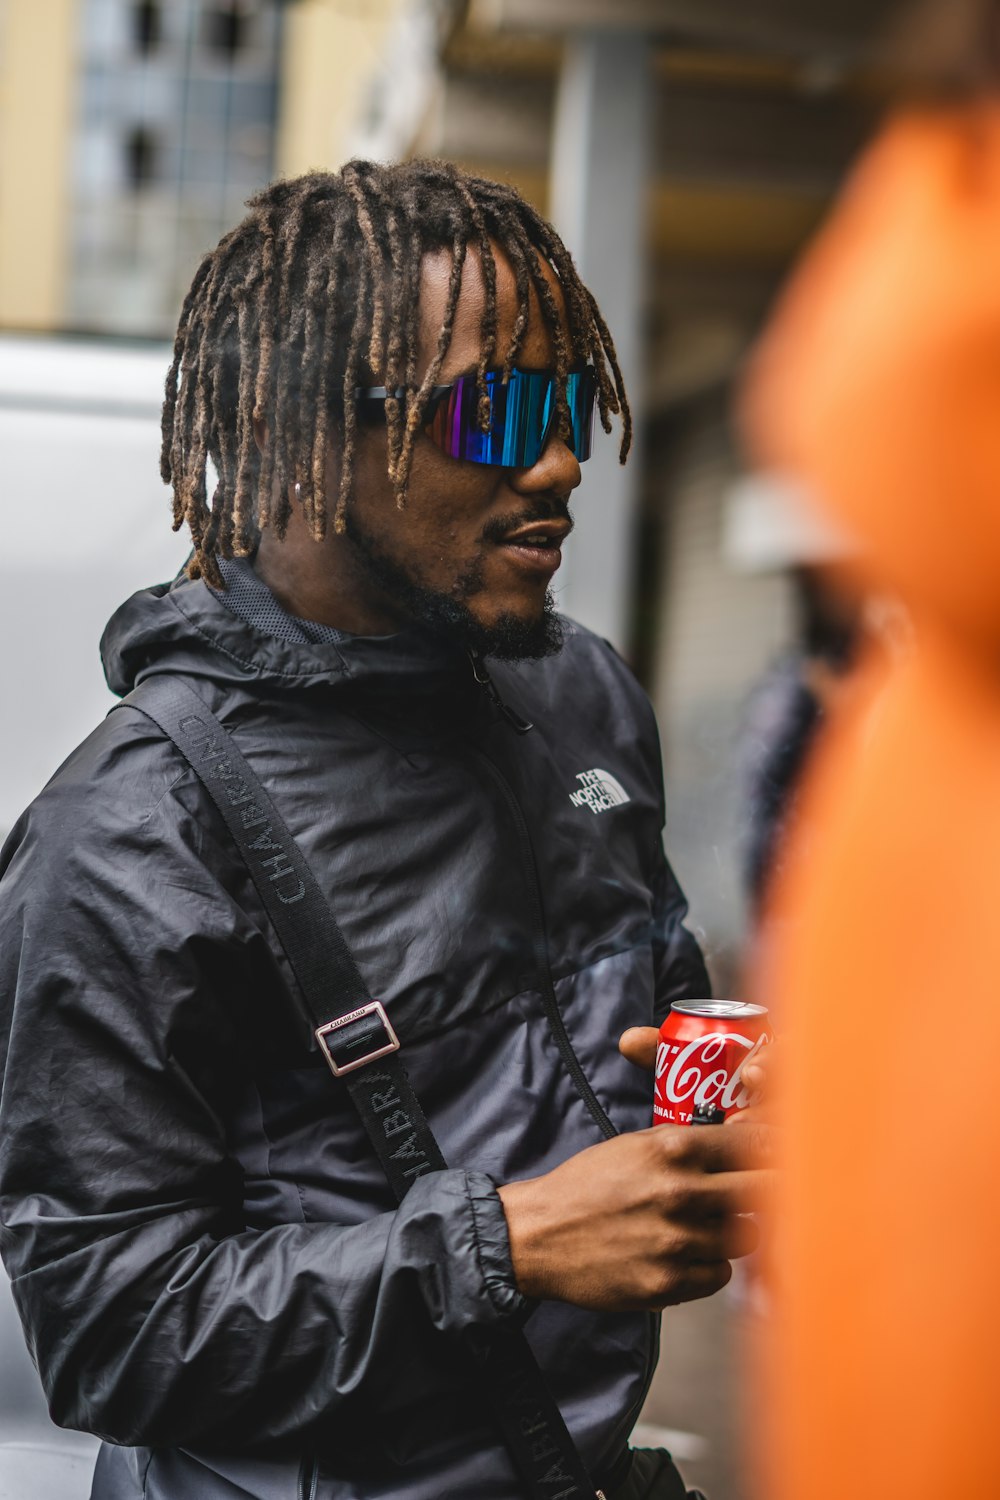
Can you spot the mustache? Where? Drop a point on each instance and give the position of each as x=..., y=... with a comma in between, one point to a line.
x=498, y=527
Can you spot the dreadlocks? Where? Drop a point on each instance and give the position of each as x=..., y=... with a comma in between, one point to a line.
x=313, y=293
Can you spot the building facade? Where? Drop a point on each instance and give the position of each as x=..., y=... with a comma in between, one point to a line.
x=175, y=115
x=131, y=134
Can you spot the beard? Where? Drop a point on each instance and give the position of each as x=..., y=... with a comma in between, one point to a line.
x=448, y=616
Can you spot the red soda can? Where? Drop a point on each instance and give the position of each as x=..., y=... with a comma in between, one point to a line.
x=703, y=1045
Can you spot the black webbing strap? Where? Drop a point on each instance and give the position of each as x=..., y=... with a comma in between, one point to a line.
x=359, y=1045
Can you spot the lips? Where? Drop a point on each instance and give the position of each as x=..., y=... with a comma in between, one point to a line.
x=534, y=550
x=538, y=535
x=530, y=548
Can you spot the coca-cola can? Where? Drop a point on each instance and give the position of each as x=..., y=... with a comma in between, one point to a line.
x=703, y=1045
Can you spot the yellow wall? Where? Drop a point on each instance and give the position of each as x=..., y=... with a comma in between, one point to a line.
x=37, y=66
x=332, y=49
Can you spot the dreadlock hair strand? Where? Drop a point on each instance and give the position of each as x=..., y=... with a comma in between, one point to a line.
x=488, y=326
x=356, y=188
x=321, y=427
x=389, y=352
x=349, y=406
x=415, y=409
x=620, y=404
x=170, y=388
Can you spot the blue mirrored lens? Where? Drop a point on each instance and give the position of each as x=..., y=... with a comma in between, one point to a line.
x=521, y=414
x=581, y=391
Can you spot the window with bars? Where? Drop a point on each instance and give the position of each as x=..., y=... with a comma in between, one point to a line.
x=177, y=107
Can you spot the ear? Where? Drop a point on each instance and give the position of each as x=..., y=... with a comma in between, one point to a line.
x=262, y=436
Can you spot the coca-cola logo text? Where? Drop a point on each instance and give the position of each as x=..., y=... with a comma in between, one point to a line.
x=689, y=1075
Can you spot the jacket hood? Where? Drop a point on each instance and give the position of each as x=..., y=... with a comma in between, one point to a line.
x=184, y=627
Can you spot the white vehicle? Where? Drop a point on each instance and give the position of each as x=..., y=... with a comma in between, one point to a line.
x=86, y=522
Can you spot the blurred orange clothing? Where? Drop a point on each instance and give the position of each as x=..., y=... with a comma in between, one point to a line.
x=878, y=384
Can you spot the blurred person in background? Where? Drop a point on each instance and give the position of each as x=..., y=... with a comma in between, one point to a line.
x=785, y=713
x=840, y=621
x=394, y=373
x=878, y=387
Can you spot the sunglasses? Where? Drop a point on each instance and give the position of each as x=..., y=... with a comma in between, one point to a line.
x=522, y=415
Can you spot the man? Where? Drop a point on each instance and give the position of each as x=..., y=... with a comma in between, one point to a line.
x=393, y=373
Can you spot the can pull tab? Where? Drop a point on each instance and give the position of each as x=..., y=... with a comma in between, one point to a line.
x=489, y=687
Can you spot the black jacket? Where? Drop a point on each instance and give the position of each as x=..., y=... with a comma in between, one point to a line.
x=202, y=1247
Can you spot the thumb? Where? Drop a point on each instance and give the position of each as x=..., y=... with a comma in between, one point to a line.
x=638, y=1045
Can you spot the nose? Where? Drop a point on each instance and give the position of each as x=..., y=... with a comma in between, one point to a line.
x=556, y=471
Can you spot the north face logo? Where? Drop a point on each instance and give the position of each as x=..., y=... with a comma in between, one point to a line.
x=599, y=790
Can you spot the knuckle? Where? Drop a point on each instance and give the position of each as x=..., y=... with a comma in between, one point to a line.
x=671, y=1246
x=676, y=1144
x=682, y=1198
x=709, y=1244
x=648, y=1146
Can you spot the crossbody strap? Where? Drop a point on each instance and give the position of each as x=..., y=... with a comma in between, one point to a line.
x=360, y=1046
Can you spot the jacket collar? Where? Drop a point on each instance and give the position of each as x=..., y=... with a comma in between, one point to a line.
x=184, y=627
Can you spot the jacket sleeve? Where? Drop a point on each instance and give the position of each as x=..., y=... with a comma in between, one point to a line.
x=154, y=1315
x=680, y=967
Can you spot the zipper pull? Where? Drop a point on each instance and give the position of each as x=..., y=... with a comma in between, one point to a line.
x=489, y=687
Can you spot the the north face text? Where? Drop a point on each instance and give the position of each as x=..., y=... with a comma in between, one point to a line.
x=598, y=790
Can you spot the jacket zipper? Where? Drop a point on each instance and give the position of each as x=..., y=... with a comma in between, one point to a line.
x=308, y=1478
x=492, y=692
x=549, y=1001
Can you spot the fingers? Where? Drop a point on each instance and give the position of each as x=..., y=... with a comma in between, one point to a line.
x=745, y=1192
x=753, y=1075
x=717, y=1239
x=708, y=1202
x=757, y=1074
x=759, y=1137
x=715, y=1148
x=638, y=1045
x=697, y=1281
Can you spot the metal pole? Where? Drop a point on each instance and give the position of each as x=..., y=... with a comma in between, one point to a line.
x=600, y=177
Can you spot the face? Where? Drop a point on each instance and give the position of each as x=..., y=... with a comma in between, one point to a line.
x=475, y=549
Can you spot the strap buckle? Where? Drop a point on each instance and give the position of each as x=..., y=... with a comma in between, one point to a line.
x=341, y=1039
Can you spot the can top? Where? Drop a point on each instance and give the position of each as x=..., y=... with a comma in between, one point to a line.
x=719, y=1010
